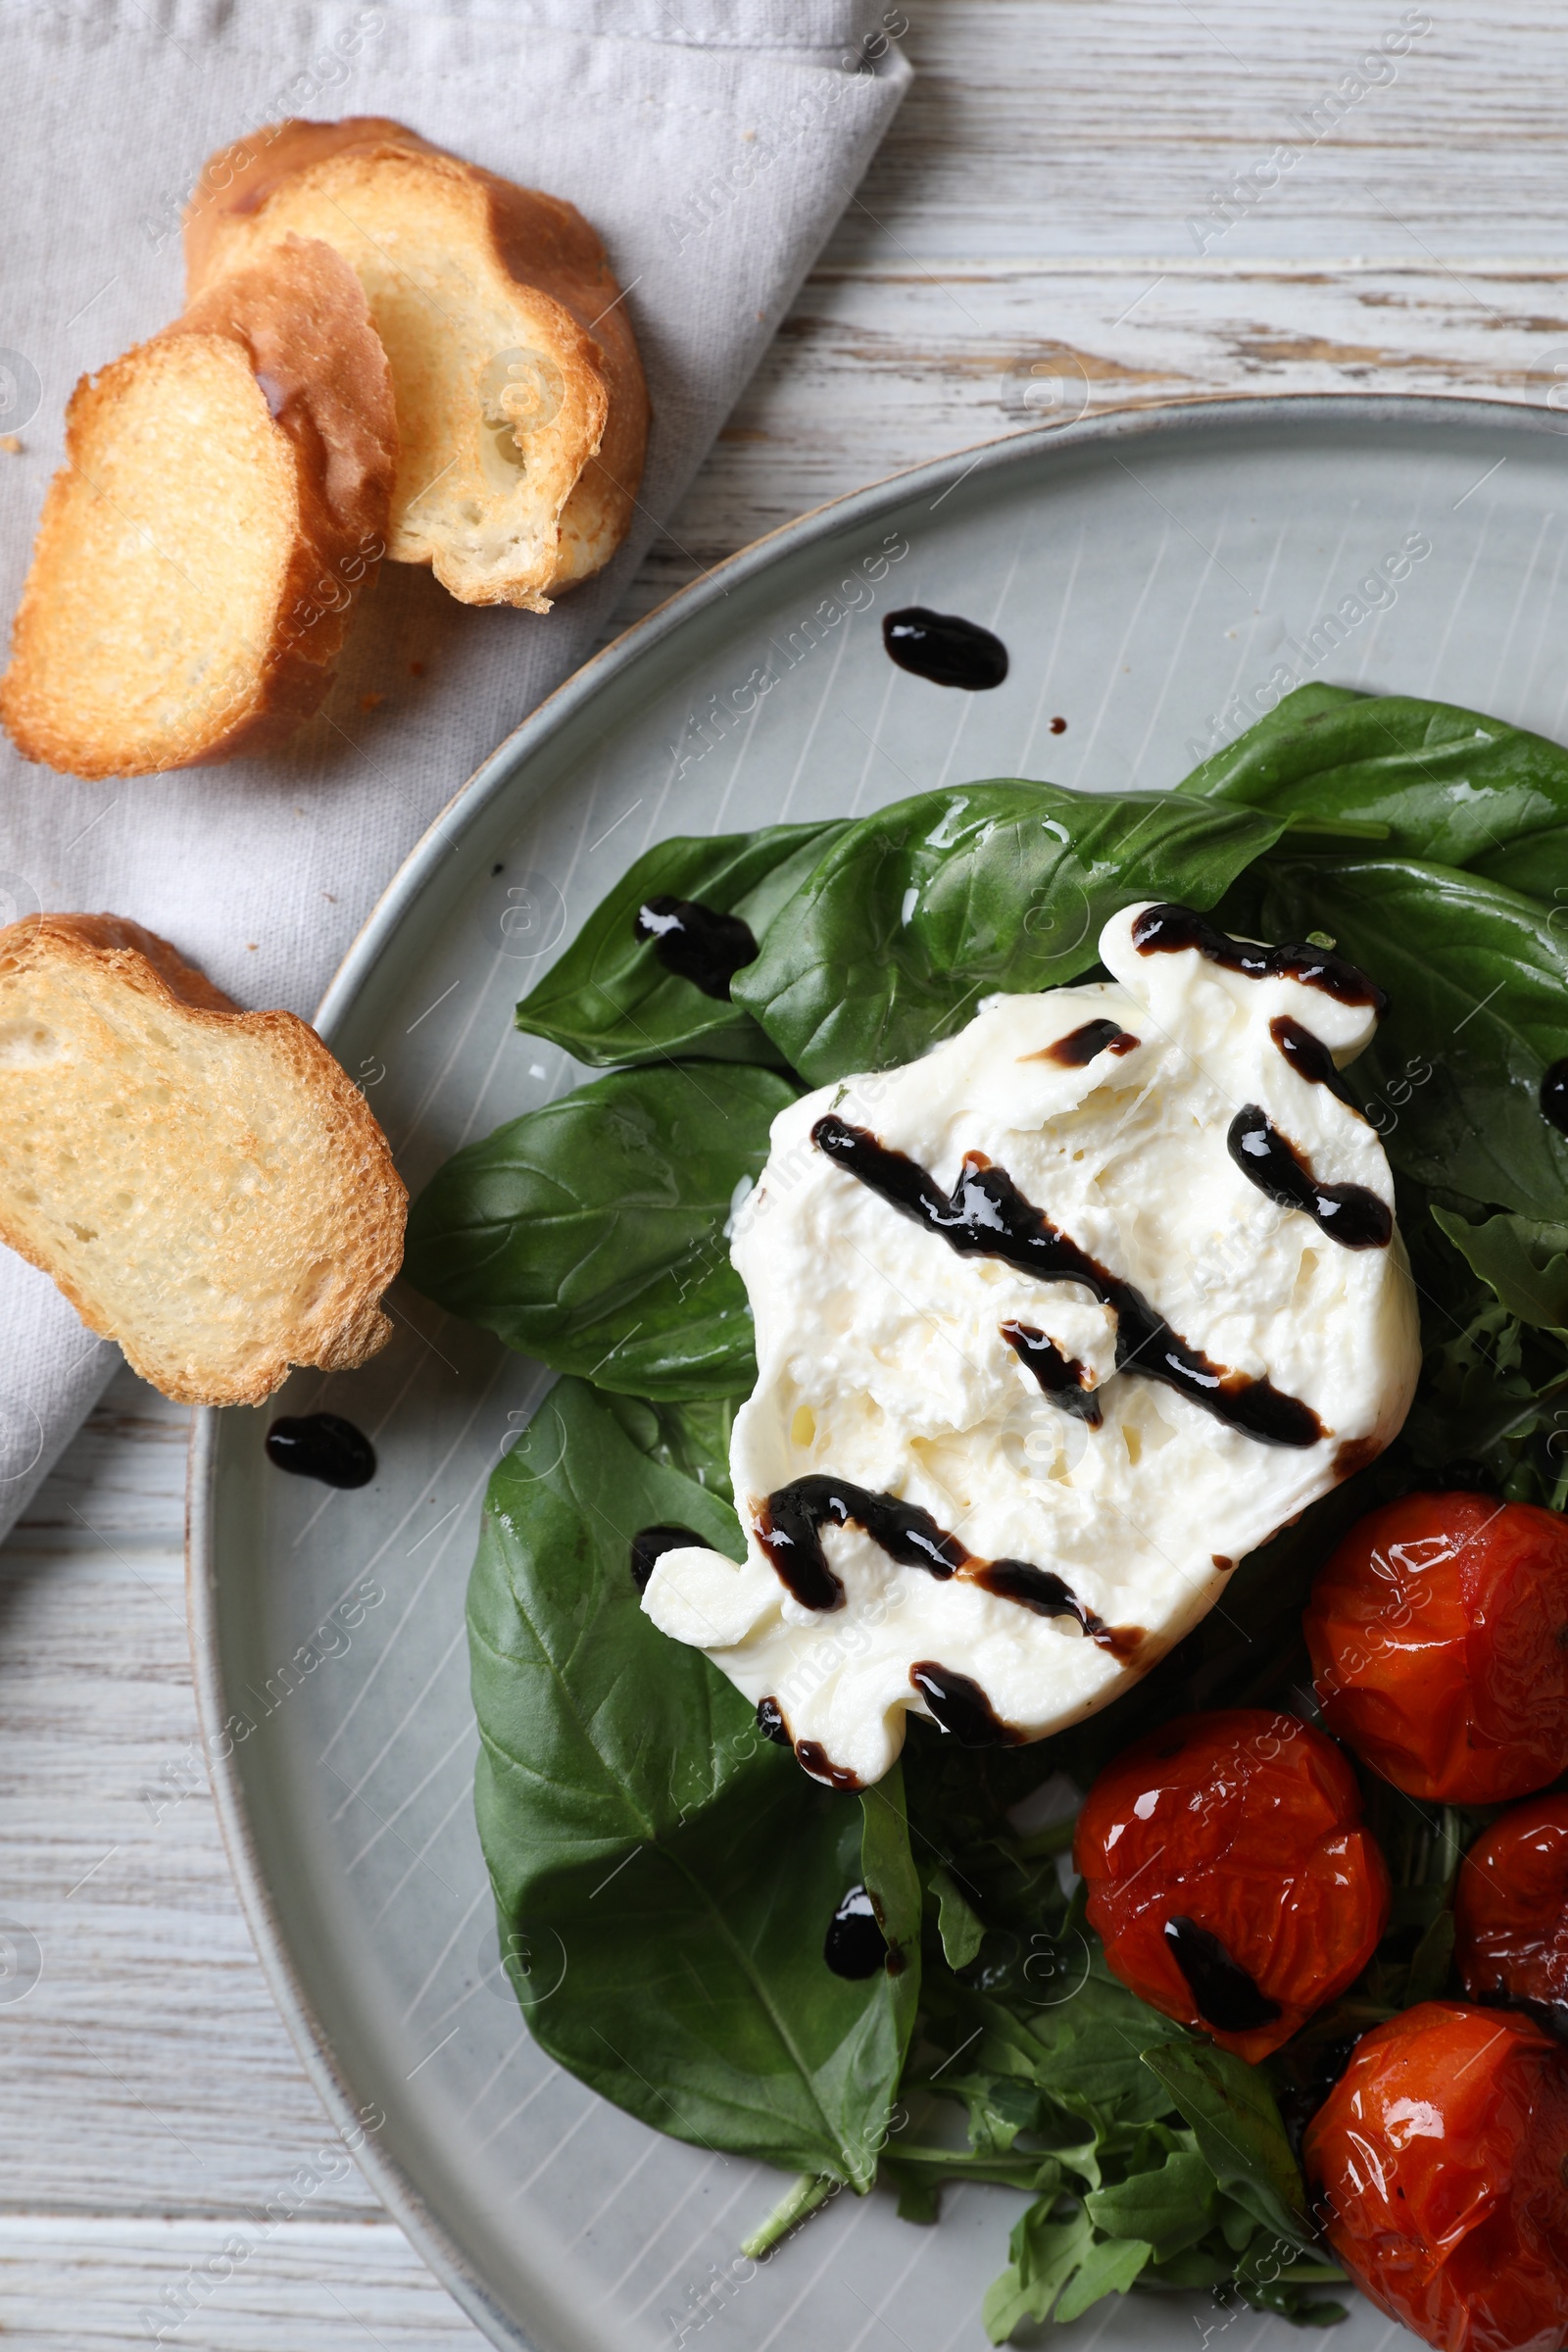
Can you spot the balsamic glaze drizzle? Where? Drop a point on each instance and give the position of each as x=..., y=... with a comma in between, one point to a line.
x=789, y=1529
x=323, y=1446
x=696, y=942
x=962, y=1707
x=813, y=1757
x=649, y=1547
x=1161, y=930
x=987, y=1217
x=1348, y=1213
x=1080, y=1045
x=1310, y=1058
x=1223, y=1993
x=1554, y=1096
x=945, y=648
x=854, y=1946
x=1059, y=1375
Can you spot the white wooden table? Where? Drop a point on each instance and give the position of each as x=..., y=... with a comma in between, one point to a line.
x=1049, y=217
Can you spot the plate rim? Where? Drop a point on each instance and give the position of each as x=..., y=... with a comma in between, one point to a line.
x=392, y=2183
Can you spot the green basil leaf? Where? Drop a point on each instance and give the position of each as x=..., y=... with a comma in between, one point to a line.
x=1479, y=988
x=1452, y=787
x=608, y=999
x=591, y=1232
x=915, y=913
x=1524, y=1261
x=692, y=1438
x=668, y=1872
x=1231, y=2111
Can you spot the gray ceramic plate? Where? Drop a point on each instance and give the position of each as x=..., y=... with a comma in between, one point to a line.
x=1156, y=577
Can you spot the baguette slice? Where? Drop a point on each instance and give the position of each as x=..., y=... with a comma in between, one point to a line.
x=225, y=501
x=205, y=1185
x=522, y=414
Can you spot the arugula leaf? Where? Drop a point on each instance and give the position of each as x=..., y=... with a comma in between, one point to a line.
x=1479, y=989
x=608, y=999
x=591, y=1232
x=1172, y=2207
x=668, y=1872
x=1523, y=1260
x=958, y=1924
x=917, y=913
x=1450, y=785
x=1057, y=2259
x=1236, y=2124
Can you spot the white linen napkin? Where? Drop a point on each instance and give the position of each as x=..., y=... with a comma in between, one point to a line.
x=713, y=143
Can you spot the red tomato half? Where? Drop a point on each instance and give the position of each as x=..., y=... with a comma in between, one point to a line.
x=1438, y=2166
x=1229, y=1877
x=1438, y=1634
x=1510, y=1907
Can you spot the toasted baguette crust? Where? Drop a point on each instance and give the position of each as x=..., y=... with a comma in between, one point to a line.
x=327, y=178
x=290, y=352
x=285, y=1259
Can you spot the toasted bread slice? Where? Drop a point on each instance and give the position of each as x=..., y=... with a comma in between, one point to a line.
x=205, y=1185
x=522, y=414
x=224, y=501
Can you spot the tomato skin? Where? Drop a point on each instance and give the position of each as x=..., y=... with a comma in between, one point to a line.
x=1439, y=1636
x=1437, y=2165
x=1248, y=1824
x=1510, y=1908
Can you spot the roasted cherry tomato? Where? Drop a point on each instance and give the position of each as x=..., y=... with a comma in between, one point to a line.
x=1229, y=1877
x=1438, y=1634
x=1439, y=2163
x=1510, y=1908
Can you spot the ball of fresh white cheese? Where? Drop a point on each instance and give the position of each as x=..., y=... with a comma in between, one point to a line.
x=1054, y=1325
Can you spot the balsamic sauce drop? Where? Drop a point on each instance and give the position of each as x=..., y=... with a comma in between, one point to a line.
x=854, y=1946
x=947, y=650
x=789, y=1525
x=813, y=1757
x=771, y=1724
x=1554, y=1096
x=321, y=1445
x=962, y=1707
x=1059, y=1375
x=1161, y=930
x=1225, y=1997
x=1081, y=1045
x=1348, y=1213
x=649, y=1547
x=1310, y=1058
x=696, y=943
x=987, y=1217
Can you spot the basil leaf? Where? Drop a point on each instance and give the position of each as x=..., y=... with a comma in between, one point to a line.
x=591, y=1232
x=608, y=999
x=1231, y=2111
x=917, y=913
x=668, y=1872
x=1479, y=988
x=1525, y=1263
x=692, y=1438
x=1452, y=787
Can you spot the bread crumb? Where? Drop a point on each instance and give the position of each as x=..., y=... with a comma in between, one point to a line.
x=11, y=445
x=371, y=702
x=250, y=946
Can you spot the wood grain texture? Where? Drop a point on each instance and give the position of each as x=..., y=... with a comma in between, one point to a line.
x=1022, y=247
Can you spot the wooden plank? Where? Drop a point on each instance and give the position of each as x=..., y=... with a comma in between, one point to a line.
x=215, y=2286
